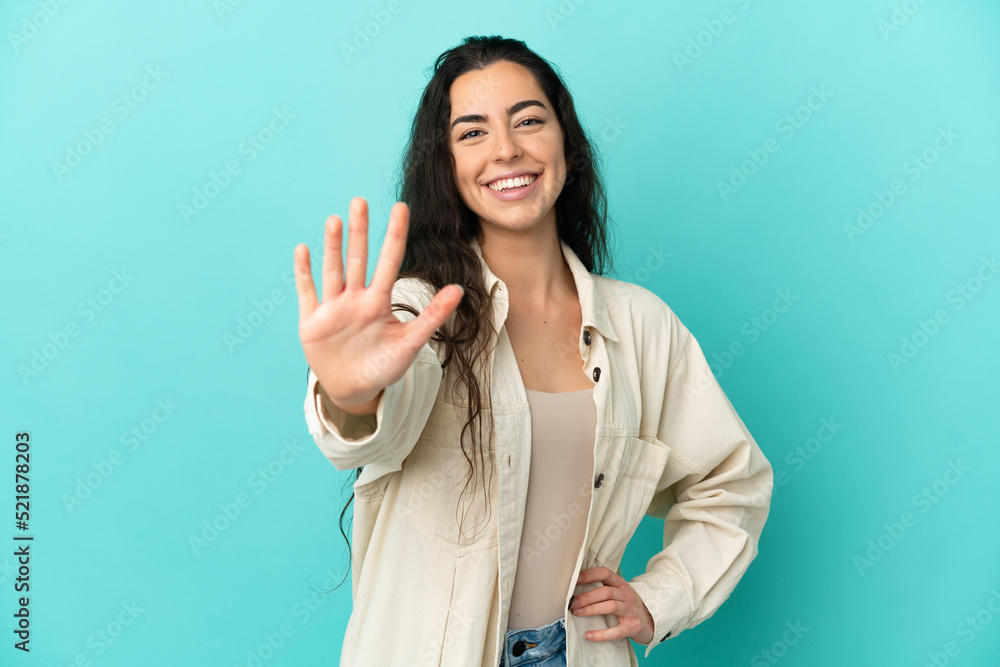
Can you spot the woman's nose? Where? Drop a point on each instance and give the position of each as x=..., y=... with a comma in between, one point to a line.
x=505, y=145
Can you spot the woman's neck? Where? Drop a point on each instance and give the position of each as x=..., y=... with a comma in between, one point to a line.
x=531, y=265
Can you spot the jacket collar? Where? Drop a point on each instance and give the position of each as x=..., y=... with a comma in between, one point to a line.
x=592, y=303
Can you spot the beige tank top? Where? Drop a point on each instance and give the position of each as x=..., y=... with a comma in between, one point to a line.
x=560, y=484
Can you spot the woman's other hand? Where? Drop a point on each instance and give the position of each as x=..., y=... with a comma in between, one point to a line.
x=615, y=597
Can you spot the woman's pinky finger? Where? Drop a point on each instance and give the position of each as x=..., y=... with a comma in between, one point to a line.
x=603, y=635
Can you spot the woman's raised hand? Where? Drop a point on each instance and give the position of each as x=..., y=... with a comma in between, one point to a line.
x=352, y=340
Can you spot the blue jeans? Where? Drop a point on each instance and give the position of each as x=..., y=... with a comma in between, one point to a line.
x=544, y=646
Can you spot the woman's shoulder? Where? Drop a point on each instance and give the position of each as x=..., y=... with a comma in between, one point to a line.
x=645, y=324
x=640, y=306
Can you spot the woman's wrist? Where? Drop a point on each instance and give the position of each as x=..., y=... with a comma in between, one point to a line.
x=365, y=408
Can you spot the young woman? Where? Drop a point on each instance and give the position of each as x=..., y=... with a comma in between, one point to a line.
x=488, y=347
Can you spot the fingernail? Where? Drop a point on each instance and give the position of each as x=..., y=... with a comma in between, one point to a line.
x=571, y=602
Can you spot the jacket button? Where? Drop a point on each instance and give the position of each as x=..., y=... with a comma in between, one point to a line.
x=586, y=336
x=597, y=374
x=518, y=648
x=666, y=635
x=599, y=481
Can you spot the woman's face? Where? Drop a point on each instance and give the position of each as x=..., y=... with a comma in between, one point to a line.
x=502, y=123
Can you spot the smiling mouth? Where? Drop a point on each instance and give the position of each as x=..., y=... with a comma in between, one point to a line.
x=509, y=184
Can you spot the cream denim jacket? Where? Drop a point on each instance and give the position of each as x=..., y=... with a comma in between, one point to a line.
x=668, y=445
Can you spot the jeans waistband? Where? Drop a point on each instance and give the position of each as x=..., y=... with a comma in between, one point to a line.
x=544, y=646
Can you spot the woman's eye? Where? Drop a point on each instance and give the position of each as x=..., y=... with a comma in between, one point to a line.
x=470, y=133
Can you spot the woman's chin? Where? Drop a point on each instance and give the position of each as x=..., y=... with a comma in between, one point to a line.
x=521, y=221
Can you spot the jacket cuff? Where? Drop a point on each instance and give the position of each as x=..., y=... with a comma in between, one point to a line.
x=346, y=426
x=333, y=429
x=668, y=603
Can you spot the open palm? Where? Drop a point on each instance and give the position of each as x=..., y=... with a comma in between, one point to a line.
x=352, y=340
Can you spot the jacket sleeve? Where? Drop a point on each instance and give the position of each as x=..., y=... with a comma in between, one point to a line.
x=714, y=496
x=382, y=440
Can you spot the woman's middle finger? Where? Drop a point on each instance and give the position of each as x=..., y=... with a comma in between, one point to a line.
x=357, y=244
x=333, y=261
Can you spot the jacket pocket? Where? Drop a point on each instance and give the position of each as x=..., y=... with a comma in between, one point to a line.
x=434, y=491
x=639, y=469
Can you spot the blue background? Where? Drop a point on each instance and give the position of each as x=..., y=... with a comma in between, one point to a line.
x=676, y=94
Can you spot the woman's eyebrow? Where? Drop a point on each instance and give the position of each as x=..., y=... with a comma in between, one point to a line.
x=479, y=118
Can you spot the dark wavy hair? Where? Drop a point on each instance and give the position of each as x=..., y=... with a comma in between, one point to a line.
x=443, y=226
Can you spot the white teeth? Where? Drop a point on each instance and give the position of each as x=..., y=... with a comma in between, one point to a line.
x=508, y=183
